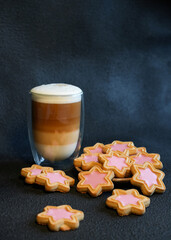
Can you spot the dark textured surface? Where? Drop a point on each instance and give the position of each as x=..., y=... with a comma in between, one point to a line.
x=118, y=52
x=21, y=202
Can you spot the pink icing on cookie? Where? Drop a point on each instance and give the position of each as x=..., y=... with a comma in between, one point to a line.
x=90, y=158
x=56, y=177
x=127, y=199
x=148, y=176
x=59, y=213
x=95, y=178
x=96, y=150
x=35, y=171
x=119, y=147
x=142, y=159
x=117, y=162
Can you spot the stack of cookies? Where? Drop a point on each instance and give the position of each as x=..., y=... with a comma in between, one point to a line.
x=120, y=161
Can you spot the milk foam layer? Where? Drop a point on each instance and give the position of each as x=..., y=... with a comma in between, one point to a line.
x=56, y=93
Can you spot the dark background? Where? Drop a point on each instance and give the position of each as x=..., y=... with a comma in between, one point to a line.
x=119, y=53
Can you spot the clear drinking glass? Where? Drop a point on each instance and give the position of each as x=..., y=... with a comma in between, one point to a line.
x=55, y=124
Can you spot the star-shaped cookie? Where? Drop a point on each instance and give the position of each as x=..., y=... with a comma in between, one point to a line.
x=95, y=181
x=138, y=150
x=55, y=181
x=87, y=161
x=62, y=218
x=127, y=202
x=31, y=173
x=118, y=163
x=143, y=157
x=121, y=147
x=97, y=148
x=148, y=178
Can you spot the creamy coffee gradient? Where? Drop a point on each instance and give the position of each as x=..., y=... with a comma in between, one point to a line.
x=56, y=112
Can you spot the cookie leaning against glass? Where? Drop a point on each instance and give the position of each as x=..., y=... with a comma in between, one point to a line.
x=86, y=161
x=97, y=148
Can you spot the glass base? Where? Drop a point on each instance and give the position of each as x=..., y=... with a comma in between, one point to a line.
x=66, y=164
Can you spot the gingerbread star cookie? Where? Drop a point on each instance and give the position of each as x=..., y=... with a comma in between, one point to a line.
x=62, y=218
x=148, y=178
x=127, y=202
x=120, y=147
x=95, y=181
x=87, y=161
x=118, y=163
x=138, y=150
x=143, y=157
x=55, y=181
x=31, y=173
x=97, y=148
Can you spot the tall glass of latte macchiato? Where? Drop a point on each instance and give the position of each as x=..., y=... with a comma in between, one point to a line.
x=56, y=124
